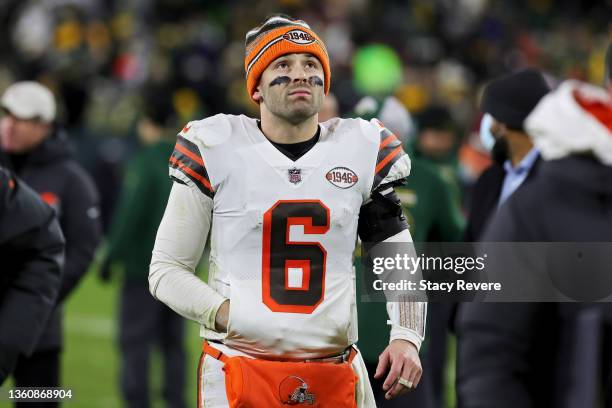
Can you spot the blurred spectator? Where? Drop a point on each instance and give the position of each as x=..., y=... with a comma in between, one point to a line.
x=390, y=111
x=438, y=143
x=32, y=253
x=484, y=377
x=572, y=128
x=38, y=151
x=143, y=321
x=329, y=108
x=507, y=100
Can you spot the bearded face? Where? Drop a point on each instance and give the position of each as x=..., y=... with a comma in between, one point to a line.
x=291, y=87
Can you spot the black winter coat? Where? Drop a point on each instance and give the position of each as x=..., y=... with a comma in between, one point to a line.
x=530, y=346
x=61, y=182
x=32, y=251
x=485, y=197
x=570, y=202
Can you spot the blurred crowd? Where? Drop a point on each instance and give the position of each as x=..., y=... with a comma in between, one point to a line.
x=103, y=58
x=106, y=60
x=132, y=73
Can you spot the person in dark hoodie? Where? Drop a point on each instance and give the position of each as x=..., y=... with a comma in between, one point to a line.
x=32, y=253
x=39, y=153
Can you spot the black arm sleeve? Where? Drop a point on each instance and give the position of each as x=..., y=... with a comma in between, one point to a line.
x=32, y=250
x=381, y=217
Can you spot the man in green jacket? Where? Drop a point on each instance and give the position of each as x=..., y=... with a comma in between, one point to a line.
x=143, y=321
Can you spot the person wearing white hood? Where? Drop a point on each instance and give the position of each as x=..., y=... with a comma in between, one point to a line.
x=545, y=353
x=572, y=129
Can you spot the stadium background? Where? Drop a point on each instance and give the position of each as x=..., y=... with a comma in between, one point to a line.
x=106, y=60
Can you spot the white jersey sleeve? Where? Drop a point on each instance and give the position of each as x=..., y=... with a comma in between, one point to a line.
x=182, y=235
x=407, y=319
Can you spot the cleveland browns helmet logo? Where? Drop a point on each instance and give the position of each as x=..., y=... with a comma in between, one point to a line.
x=293, y=391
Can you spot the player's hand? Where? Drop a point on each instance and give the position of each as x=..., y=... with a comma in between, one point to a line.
x=401, y=358
x=222, y=317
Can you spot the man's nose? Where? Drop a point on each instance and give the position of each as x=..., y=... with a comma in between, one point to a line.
x=300, y=76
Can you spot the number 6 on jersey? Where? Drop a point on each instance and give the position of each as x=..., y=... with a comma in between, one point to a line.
x=293, y=273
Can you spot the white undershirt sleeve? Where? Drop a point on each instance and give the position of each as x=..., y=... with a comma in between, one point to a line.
x=407, y=319
x=178, y=248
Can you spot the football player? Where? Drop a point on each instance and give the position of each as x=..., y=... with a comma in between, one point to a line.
x=284, y=198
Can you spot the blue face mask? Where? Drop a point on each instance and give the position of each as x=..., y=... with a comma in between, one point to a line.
x=486, y=137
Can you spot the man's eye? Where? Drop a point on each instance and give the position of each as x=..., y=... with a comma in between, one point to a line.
x=281, y=65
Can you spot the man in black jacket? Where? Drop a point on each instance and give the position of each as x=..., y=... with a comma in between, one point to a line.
x=508, y=99
x=32, y=251
x=569, y=201
x=40, y=154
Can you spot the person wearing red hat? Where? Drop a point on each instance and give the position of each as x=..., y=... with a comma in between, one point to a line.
x=284, y=198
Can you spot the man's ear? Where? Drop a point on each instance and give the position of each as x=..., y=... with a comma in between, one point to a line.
x=257, y=96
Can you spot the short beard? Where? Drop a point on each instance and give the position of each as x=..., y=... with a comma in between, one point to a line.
x=501, y=151
x=296, y=116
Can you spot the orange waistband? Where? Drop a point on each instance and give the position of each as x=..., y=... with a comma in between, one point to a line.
x=347, y=356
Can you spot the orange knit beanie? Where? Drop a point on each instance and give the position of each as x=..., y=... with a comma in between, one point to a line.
x=277, y=36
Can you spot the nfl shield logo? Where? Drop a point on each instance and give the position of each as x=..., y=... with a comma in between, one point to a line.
x=295, y=175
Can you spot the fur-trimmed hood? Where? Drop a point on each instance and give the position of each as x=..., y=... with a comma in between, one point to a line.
x=576, y=118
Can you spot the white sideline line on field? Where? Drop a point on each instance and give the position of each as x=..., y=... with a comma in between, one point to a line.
x=92, y=326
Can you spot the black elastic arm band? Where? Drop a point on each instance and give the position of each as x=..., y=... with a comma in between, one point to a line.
x=382, y=217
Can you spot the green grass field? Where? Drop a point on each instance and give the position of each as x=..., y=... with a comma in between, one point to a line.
x=91, y=357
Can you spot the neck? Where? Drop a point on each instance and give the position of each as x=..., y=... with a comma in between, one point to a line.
x=279, y=130
x=519, y=145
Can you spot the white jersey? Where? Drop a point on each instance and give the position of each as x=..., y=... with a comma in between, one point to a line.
x=283, y=232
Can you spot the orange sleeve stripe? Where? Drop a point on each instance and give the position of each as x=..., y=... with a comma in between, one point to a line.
x=387, y=140
x=189, y=154
x=192, y=173
x=387, y=159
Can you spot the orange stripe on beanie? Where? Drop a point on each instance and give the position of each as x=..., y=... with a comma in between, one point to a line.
x=278, y=36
